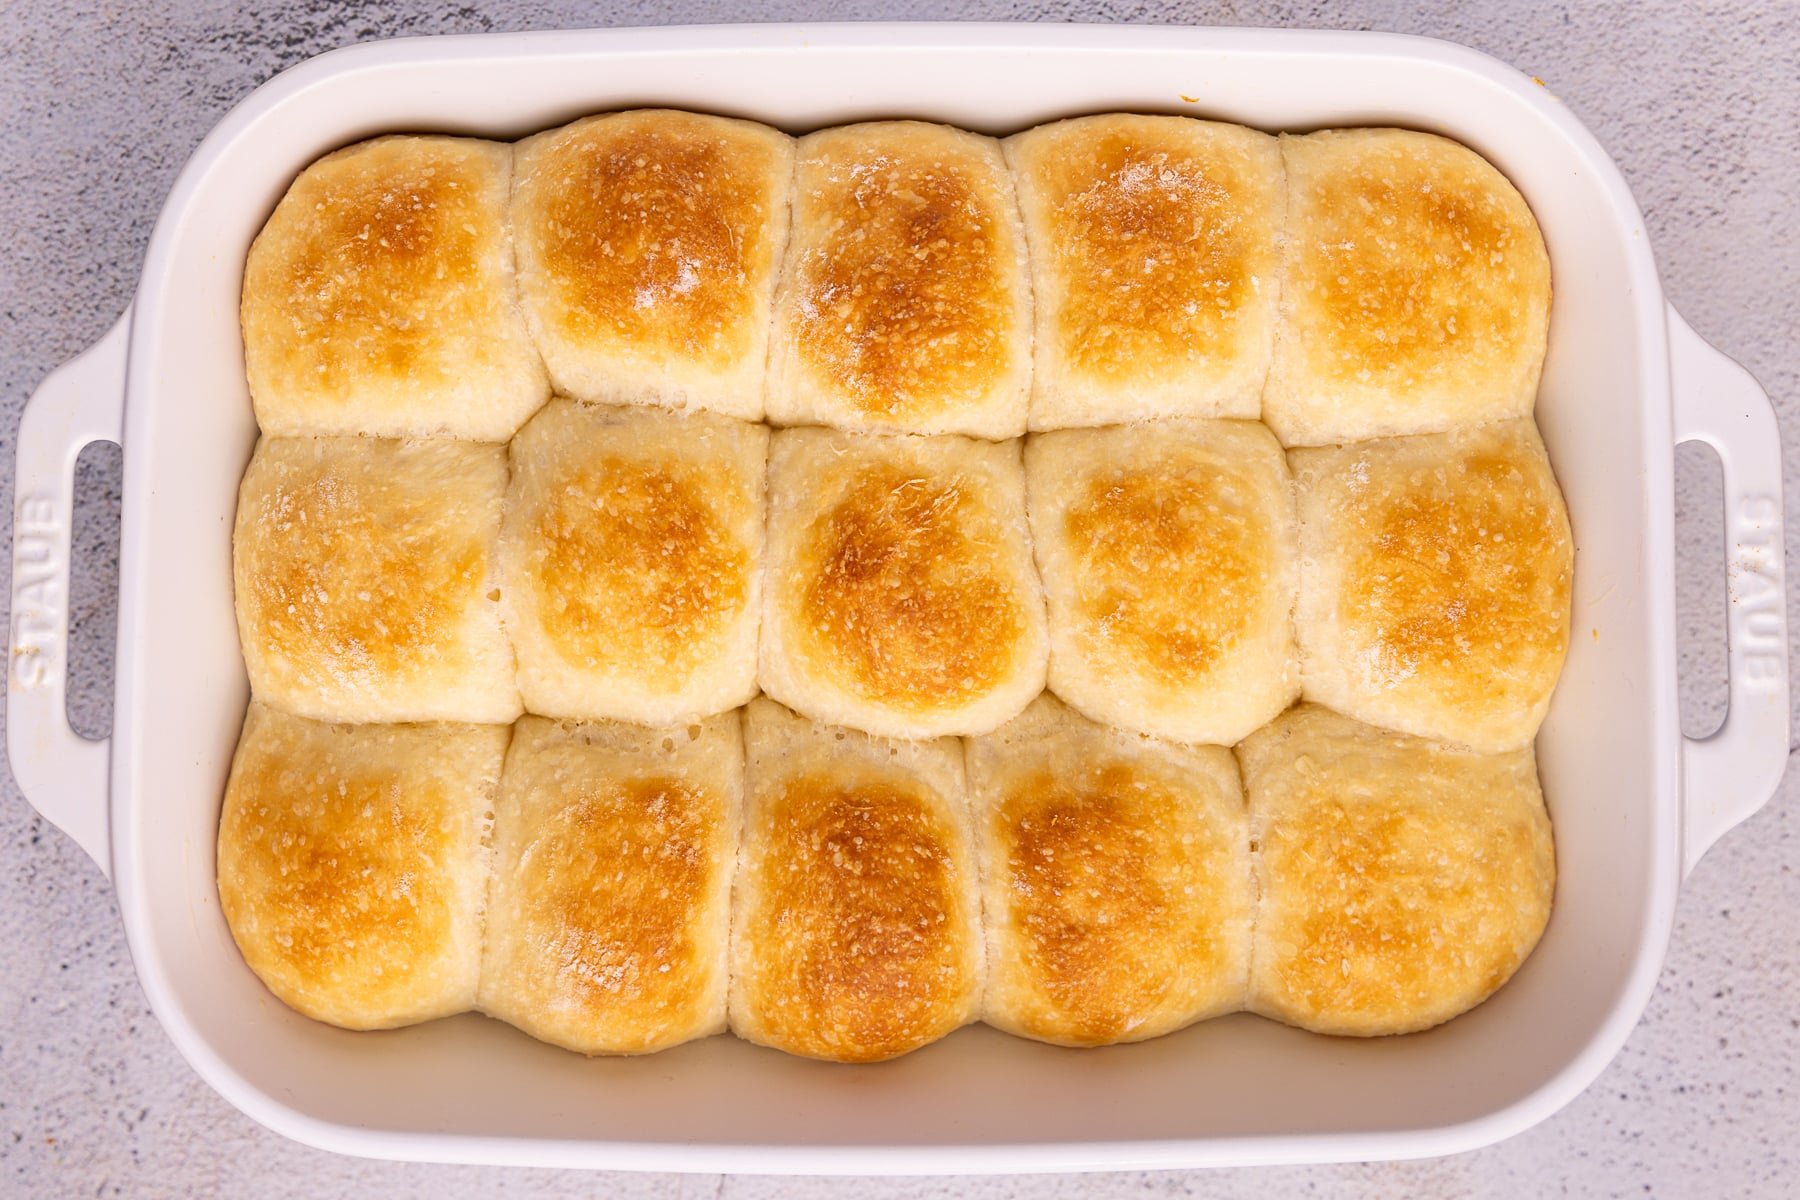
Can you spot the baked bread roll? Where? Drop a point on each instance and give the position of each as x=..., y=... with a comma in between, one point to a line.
x=632, y=562
x=1170, y=565
x=1434, y=584
x=905, y=302
x=1416, y=292
x=1154, y=252
x=648, y=244
x=1402, y=880
x=1115, y=879
x=856, y=926
x=351, y=864
x=379, y=299
x=609, y=912
x=365, y=582
x=900, y=597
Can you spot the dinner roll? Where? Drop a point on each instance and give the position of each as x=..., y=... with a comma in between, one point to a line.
x=856, y=927
x=905, y=303
x=609, y=911
x=1402, y=880
x=648, y=244
x=1416, y=291
x=365, y=582
x=632, y=562
x=1115, y=879
x=380, y=298
x=1434, y=583
x=351, y=867
x=1154, y=250
x=1170, y=566
x=900, y=596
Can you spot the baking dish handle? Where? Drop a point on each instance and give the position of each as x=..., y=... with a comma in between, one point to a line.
x=63, y=775
x=1727, y=777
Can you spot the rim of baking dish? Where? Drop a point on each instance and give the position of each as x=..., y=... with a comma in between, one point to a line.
x=1645, y=301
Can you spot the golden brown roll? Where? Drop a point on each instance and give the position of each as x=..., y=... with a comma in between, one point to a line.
x=856, y=926
x=1170, y=565
x=351, y=867
x=379, y=299
x=905, y=301
x=1435, y=578
x=1402, y=880
x=632, y=562
x=365, y=580
x=1115, y=879
x=648, y=244
x=1415, y=295
x=900, y=597
x=609, y=911
x=1155, y=256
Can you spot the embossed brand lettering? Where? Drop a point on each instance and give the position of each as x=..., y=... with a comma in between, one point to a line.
x=36, y=607
x=1758, y=510
x=1764, y=625
x=1762, y=670
x=1759, y=624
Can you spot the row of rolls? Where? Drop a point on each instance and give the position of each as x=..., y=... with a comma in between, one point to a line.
x=620, y=889
x=1182, y=578
x=900, y=277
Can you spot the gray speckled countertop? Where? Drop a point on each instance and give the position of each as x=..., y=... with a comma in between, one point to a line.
x=101, y=103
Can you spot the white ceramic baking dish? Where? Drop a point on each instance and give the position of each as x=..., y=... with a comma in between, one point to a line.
x=1634, y=803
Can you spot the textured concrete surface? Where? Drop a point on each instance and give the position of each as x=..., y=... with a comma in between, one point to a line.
x=100, y=103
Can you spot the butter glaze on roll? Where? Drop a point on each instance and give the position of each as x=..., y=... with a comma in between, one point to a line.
x=351, y=864
x=632, y=562
x=856, y=931
x=648, y=245
x=905, y=301
x=1116, y=879
x=366, y=588
x=609, y=911
x=900, y=597
x=1155, y=249
x=380, y=299
x=1402, y=880
x=1435, y=582
x=1169, y=558
x=1416, y=292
